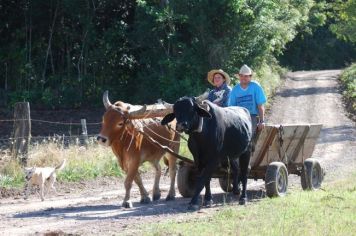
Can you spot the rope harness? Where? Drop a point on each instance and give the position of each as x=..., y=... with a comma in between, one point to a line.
x=141, y=124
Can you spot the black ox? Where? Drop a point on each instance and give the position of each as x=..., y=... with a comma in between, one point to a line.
x=217, y=136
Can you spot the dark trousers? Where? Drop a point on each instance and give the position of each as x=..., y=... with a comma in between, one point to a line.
x=254, y=120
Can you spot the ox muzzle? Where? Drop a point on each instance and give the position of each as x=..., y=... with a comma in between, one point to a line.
x=102, y=140
x=183, y=127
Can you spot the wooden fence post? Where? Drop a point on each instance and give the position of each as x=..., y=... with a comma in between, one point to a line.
x=22, y=132
x=84, y=131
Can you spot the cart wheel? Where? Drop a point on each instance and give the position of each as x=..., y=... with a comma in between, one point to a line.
x=226, y=184
x=186, y=180
x=276, y=179
x=312, y=175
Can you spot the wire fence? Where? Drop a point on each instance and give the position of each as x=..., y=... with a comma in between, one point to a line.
x=50, y=122
x=43, y=131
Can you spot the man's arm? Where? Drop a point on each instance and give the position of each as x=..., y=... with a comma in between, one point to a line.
x=261, y=113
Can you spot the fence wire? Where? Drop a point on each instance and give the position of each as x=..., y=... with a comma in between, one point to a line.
x=48, y=131
x=59, y=140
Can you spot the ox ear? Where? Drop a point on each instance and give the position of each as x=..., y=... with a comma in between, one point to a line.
x=202, y=111
x=168, y=118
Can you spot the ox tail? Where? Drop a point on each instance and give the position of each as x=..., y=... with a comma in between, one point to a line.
x=165, y=160
x=61, y=166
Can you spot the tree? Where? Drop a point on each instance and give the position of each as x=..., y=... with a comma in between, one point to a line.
x=346, y=22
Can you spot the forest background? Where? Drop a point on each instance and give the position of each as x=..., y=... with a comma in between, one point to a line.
x=61, y=54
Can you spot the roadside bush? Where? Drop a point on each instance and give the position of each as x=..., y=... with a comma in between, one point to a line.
x=348, y=78
x=270, y=77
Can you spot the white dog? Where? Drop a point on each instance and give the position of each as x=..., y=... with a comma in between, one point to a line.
x=42, y=176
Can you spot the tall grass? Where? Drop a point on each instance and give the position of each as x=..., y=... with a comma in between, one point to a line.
x=11, y=175
x=82, y=162
x=331, y=211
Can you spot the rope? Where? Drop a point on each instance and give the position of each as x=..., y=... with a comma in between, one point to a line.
x=167, y=149
x=158, y=135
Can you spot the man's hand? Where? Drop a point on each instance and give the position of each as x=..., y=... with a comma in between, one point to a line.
x=261, y=126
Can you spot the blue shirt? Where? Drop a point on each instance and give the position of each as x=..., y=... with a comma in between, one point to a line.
x=220, y=96
x=249, y=98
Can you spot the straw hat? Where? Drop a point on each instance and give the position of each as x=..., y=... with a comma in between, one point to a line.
x=219, y=71
x=245, y=70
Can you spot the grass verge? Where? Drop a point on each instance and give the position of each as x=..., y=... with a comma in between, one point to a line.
x=331, y=211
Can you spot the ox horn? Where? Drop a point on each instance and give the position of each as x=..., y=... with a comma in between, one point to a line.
x=203, y=96
x=106, y=101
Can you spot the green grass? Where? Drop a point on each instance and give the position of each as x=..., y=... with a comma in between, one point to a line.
x=331, y=211
x=11, y=175
x=183, y=149
x=81, y=170
x=348, y=78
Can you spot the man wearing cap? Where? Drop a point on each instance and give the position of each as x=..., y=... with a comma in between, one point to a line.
x=249, y=94
x=220, y=94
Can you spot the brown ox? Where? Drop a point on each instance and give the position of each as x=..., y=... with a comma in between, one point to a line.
x=120, y=131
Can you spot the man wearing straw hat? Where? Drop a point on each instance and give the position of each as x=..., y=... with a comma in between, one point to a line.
x=249, y=94
x=220, y=94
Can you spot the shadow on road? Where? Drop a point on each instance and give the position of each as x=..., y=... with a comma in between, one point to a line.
x=338, y=134
x=306, y=91
x=110, y=211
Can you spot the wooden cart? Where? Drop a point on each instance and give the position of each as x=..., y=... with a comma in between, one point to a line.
x=279, y=150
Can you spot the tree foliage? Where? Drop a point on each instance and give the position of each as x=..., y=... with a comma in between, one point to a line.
x=345, y=26
x=316, y=46
x=62, y=53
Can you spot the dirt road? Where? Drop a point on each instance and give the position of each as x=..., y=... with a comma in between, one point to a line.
x=306, y=97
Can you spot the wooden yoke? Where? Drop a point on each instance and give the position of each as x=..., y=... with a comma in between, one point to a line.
x=152, y=111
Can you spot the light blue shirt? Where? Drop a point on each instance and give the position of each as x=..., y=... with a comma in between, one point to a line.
x=249, y=98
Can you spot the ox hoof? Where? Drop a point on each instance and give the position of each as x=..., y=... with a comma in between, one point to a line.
x=127, y=204
x=208, y=203
x=193, y=207
x=145, y=200
x=156, y=197
x=170, y=198
x=243, y=201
